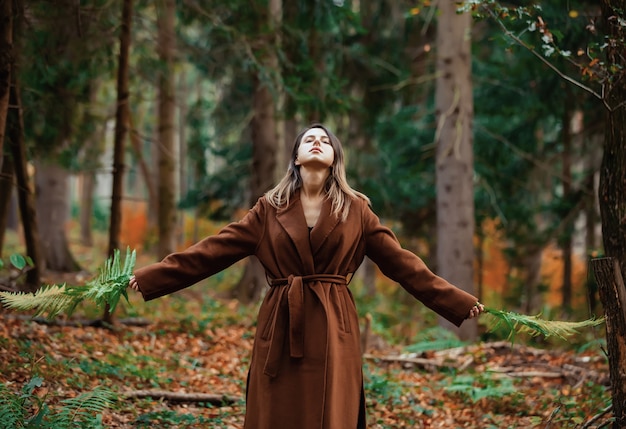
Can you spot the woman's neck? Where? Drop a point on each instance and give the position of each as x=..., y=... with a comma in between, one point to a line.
x=313, y=181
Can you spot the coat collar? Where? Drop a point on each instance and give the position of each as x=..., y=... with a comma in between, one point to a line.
x=293, y=221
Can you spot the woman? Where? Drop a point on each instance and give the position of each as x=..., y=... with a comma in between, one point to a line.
x=311, y=232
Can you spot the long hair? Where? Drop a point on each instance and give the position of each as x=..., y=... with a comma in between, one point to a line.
x=336, y=187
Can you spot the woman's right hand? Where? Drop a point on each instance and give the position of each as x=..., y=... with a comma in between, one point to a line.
x=132, y=283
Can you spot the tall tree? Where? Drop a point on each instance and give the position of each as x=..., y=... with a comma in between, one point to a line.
x=612, y=195
x=455, y=165
x=6, y=192
x=166, y=14
x=121, y=133
x=25, y=192
x=17, y=149
x=121, y=127
x=72, y=44
x=265, y=144
x=566, y=241
x=6, y=62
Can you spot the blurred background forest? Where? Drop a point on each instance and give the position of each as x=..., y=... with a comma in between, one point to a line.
x=151, y=124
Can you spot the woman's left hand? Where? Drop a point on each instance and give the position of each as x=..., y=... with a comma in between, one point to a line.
x=476, y=310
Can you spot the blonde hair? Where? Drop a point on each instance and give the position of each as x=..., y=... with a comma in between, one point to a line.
x=336, y=186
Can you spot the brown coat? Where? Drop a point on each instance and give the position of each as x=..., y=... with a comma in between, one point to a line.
x=305, y=370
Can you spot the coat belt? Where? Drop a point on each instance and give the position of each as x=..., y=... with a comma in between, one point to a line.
x=295, y=310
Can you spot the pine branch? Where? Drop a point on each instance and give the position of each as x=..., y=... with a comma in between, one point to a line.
x=534, y=325
x=107, y=288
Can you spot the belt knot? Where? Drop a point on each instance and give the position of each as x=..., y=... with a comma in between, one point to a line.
x=295, y=309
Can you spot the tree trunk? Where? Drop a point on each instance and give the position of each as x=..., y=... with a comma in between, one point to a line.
x=86, y=207
x=531, y=262
x=566, y=241
x=183, y=163
x=6, y=64
x=167, y=129
x=138, y=151
x=480, y=261
x=94, y=147
x=265, y=146
x=25, y=194
x=591, y=215
x=454, y=171
x=264, y=141
x=51, y=181
x=6, y=194
x=608, y=274
x=612, y=195
x=121, y=132
x=367, y=274
x=121, y=128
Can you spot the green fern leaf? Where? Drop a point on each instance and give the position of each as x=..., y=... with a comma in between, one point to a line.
x=113, y=280
x=84, y=410
x=12, y=410
x=535, y=325
x=107, y=288
x=52, y=299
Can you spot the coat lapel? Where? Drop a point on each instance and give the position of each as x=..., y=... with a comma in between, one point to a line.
x=292, y=220
x=325, y=224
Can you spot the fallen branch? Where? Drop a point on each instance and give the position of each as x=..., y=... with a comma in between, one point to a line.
x=219, y=400
x=79, y=323
x=412, y=360
x=597, y=417
x=532, y=374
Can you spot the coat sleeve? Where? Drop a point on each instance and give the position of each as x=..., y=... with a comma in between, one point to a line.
x=406, y=268
x=207, y=257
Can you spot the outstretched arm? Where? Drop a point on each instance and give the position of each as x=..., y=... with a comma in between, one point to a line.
x=406, y=268
x=203, y=259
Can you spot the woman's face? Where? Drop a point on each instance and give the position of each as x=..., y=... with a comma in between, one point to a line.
x=315, y=149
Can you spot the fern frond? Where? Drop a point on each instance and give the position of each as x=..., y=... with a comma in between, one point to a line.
x=111, y=283
x=11, y=408
x=53, y=300
x=85, y=408
x=535, y=325
x=107, y=288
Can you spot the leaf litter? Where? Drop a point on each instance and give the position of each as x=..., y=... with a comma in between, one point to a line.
x=184, y=349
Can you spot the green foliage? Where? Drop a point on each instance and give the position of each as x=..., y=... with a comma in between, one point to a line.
x=433, y=339
x=171, y=418
x=477, y=387
x=535, y=325
x=51, y=299
x=107, y=288
x=382, y=387
x=100, y=215
x=18, y=261
x=79, y=412
x=124, y=366
x=29, y=411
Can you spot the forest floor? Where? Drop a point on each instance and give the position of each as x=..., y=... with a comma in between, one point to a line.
x=202, y=345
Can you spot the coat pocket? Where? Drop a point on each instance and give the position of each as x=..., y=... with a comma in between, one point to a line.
x=266, y=325
x=345, y=309
x=338, y=300
x=267, y=313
